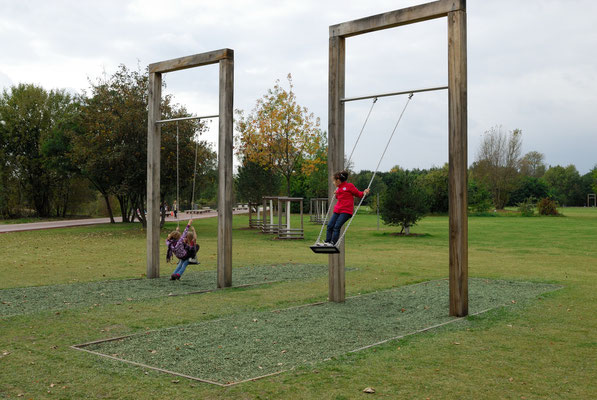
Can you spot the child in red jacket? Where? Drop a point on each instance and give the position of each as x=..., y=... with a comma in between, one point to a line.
x=345, y=193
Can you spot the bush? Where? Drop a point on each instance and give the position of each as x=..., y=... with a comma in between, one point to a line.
x=547, y=207
x=527, y=207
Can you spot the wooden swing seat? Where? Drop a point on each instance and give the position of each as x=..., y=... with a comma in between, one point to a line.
x=325, y=249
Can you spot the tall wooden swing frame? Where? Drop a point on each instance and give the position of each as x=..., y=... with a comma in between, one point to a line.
x=455, y=11
x=225, y=59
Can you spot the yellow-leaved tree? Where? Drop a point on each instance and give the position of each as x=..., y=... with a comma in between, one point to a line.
x=280, y=134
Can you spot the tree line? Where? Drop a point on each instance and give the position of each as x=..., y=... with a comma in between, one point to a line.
x=61, y=152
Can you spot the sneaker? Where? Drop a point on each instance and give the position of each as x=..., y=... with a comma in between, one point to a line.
x=319, y=244
x=177, y=277
x=328, y=244
x=172, y=277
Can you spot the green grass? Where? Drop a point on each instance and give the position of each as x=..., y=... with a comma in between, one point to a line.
x=544, y=349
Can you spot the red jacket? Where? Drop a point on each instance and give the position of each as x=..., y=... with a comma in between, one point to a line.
x=345, y=194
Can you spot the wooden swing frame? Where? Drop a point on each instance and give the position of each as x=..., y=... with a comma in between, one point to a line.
x=455, y=11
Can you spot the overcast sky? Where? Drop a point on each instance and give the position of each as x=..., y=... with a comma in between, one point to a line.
x=532, y=65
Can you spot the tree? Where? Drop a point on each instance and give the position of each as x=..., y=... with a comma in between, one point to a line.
x=479, y=197
x=189, y=145
x=529, y=187
x=565, y=185
x=318, y=180
x=253, y=181
x=497, y=163
x=532, y=164
x=361, y=181
x=404, y=202
x=594, y=177
x=35, y=139
x=280, y=134
x=111, y=148
x=435, y=183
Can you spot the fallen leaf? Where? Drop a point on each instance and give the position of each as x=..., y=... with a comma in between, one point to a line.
x=513, y=301
x=369, y=390
x=456, y=343
x=511, y=379
x=175, y=381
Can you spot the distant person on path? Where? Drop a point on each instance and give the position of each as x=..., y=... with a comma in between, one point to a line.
x=183, y=247
x=175, y=209
x=343, y=210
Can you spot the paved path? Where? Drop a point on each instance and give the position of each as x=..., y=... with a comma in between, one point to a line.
x=4, y=228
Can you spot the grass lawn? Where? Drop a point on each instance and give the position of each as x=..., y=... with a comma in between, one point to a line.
x=543, y=348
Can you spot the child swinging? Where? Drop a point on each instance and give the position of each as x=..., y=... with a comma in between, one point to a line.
x=183, y=247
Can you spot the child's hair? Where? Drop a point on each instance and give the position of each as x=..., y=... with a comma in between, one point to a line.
x=174, y=235
x=342, y=176
x=191, y=236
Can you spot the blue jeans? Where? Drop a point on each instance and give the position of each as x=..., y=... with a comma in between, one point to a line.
x=182, y=265
x=334, y=226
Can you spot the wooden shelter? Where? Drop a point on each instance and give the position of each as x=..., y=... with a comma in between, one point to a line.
x=318, y=208
x=285, y=230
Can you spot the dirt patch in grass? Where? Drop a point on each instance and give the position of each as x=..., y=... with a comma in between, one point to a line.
x=248, y=346
x=58, y=297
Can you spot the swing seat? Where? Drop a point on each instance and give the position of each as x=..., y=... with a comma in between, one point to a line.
x=325, y=249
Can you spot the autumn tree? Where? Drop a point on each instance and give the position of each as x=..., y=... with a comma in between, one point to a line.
x=280, y=134
x=497, y=163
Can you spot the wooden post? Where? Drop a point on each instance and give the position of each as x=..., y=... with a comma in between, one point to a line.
x=336, y=291
x=153, y=175
x=457, y=143
x=225, y=186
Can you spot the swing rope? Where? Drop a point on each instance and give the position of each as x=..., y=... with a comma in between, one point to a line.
x=374, y=173
x=347, y=163
x=194, y=172
x=175, y=208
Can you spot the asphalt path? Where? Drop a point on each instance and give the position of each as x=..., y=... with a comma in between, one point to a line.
x=5, y=228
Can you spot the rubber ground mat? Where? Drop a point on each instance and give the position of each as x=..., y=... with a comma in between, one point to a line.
x=248, y=346
x=59, y=297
